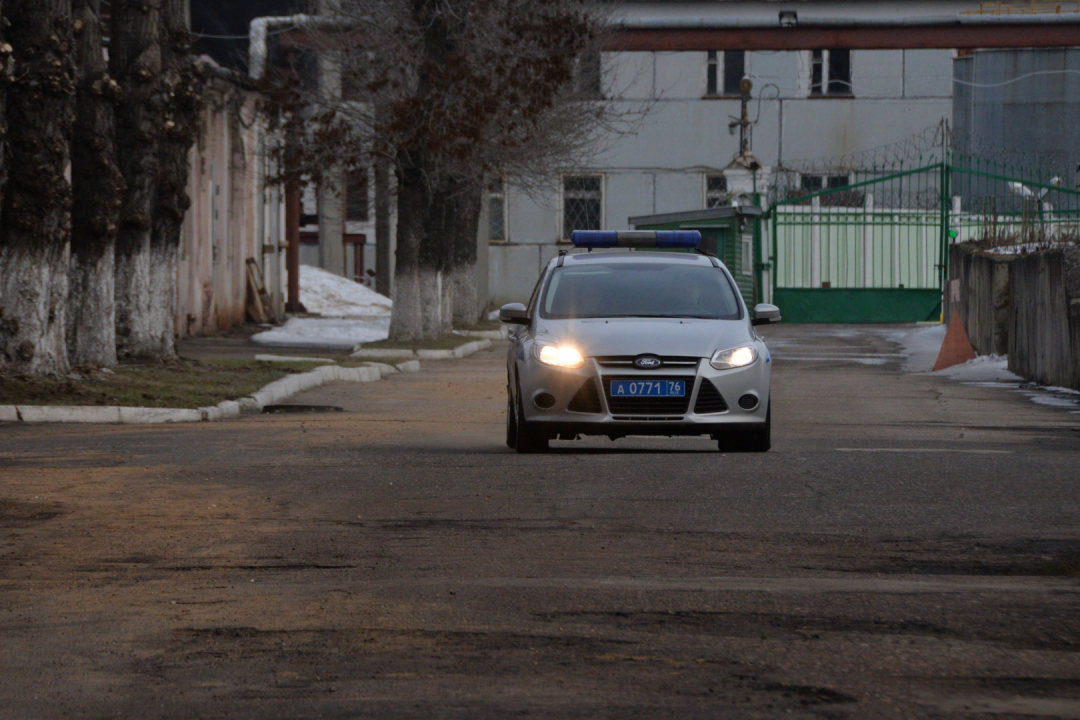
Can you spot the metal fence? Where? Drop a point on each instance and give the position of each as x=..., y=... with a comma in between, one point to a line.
x=889, y=227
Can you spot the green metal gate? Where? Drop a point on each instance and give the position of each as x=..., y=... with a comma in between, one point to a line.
x=871, y=246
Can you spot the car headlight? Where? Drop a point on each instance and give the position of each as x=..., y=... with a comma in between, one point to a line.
x=562, y=356
x=734, y=358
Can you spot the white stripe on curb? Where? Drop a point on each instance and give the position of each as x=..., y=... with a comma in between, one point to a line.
x=73, y=414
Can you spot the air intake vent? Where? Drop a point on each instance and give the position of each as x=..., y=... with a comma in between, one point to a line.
x=709, y=400
x=586, y=400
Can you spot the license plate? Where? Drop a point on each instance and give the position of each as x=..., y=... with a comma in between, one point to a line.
x=648, y=388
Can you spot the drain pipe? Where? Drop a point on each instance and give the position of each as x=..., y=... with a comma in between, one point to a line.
x=260, y=29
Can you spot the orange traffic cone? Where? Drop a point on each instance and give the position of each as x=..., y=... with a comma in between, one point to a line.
x=956, y=348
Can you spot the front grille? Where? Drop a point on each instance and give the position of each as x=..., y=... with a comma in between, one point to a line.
x=669, y=406
x=709, y=400
x=646, y=418
x=586, y=399
x=627, y=361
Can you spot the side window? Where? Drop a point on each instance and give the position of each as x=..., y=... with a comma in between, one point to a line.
x=536, y=294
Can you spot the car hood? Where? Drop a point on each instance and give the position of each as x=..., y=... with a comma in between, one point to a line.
x=690, y=337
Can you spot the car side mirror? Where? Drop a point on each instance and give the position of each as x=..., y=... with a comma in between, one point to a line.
x=765, y=315
x=515, y=313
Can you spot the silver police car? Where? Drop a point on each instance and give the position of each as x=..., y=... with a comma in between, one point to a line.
x=619, y=343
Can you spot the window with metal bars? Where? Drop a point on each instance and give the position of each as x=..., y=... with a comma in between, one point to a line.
x=356, y=195
x=830, y=72
x=716, y=192
x=497, y=212
x=734, y=71
x=583, y=203
x=589, y=75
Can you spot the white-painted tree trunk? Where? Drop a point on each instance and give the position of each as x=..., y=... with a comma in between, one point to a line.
x=462, y=280
x=33, y=298
x=163, y=298
x=423, y=306
x=134, y=278
x=90, y=318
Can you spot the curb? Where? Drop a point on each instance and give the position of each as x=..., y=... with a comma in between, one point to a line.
x=457, y=353
x=268, y=395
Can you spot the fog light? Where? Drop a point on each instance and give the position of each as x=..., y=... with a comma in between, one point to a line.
x=544, y=401
x=748, y=401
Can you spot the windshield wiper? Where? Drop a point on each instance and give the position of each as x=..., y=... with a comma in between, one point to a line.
x=668, y=317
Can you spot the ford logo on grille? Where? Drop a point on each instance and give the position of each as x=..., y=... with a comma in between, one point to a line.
x=648, y=362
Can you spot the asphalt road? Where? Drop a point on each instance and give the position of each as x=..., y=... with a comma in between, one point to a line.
x=910, y=548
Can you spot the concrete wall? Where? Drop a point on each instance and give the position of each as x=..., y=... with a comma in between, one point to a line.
x=232, y=216
x=1044, y=317
x=662, y=167
x=979, y=292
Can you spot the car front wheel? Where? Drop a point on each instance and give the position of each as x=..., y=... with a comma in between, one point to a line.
x=756, y=440
x=530, y=439
x=511, y=420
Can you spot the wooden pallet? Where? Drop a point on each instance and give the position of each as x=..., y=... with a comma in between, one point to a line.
x=260, y=307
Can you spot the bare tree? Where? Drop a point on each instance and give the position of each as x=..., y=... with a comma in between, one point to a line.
x=6, y=71
x=451, y=94
x=182, y=100
x=98, y=192
x=34, y=236
x=135, y=63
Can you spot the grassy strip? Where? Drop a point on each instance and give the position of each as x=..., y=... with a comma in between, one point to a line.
x=183, y=384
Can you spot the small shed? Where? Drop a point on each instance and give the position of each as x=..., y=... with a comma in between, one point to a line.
x=731, y=232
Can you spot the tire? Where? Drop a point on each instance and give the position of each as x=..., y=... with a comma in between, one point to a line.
x=511, y=420
x=530, y=439
x=760, y=440
x=756, y=440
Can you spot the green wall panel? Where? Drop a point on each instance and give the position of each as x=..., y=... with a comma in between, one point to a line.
x=857, y=305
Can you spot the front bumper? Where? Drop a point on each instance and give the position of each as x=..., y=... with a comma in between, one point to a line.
x=538, y=381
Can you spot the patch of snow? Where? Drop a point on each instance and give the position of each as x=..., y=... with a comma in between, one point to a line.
x=1044, y=398
x=985, y=368
x=493, y=315
x=331, y=334
x=333, y=296
x=921, y=346
x=1025, y=248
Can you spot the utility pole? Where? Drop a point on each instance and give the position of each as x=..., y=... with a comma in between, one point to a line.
x=745, y=86
x=743, y=121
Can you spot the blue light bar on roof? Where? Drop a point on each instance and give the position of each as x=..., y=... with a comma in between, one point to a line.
x=635, y=238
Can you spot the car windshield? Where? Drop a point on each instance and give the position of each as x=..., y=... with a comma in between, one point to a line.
x=633, y=289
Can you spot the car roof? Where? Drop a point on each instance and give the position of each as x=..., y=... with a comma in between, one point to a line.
x=624, y=256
